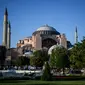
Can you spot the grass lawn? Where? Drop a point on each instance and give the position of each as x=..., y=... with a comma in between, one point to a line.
x=36, y=82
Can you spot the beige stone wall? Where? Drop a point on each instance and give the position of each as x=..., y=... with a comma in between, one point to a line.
x=33, y=41
x=63, y=40
x=38, y=42
x=28, y=41
x=25, y=41
x=58, y=38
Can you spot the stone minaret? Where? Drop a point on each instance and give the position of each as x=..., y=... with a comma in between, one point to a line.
x=9, y=36
x=5, y=26
x=76, y=36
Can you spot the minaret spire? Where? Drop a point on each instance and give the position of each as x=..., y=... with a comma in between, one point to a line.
x=5, y=26
x=6, y=13
x=76, y=35
x=9, y=35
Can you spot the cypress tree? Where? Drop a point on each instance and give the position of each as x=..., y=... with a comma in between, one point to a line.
x=46, y=73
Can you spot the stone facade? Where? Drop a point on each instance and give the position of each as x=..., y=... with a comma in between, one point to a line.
x=45, y=36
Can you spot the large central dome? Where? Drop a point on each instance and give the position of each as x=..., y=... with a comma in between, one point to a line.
x=46, y=28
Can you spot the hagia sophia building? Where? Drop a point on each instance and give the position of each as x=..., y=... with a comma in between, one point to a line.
x=44, y=37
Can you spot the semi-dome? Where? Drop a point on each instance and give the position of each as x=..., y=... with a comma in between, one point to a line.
x=46, y=28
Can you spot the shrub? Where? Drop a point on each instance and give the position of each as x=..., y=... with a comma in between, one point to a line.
x=46, y=73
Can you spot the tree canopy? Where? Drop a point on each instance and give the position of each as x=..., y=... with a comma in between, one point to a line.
x=2, y=54
x=39, y=57
x=21, y=61
x=77, y=56
x=59, y=58
x=36, y=61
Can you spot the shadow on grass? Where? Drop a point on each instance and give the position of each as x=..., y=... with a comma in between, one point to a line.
x=12, y=81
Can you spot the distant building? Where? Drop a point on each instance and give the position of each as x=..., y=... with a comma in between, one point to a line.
x=44, y=37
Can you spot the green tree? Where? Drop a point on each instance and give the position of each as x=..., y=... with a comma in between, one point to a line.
x=2, y=55
x=77, y=56
x=39, y=57
x=46, y=73
x=42, y=53
x=59, y=58
x=21, y=61
x=36, y=61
